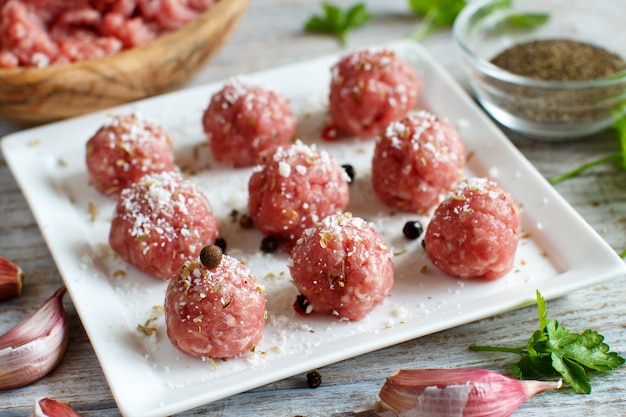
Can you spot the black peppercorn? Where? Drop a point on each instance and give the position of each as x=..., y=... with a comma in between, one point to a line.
x=313, y=379
x=246, y=221
x=211, y=256
x=302, y=305
x=413, y=229
x=221, y=242
x=269, y=244
x=349, y=171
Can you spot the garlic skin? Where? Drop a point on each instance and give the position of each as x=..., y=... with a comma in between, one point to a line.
x=34, y=346
x=47, y=407
x=456, y=393
x=11, y=278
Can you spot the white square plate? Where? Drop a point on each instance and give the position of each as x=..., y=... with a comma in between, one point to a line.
x=149, y=377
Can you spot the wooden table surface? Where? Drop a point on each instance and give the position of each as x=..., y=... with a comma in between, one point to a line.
x=271, y=35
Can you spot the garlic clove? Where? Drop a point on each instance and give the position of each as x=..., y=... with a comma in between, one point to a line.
x=47, y=407
x=11, y=278
x=34, y=346
x=456, y=392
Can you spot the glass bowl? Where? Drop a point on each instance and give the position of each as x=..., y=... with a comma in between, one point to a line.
x=552, y=110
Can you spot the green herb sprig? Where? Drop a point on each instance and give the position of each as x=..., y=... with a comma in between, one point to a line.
x=620, y=127
x=554, y=351
x=442, y=13
x=437, y=14
x=526, y=20
x=338, y=21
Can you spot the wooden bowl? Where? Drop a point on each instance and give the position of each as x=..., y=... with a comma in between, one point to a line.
x=31, y=96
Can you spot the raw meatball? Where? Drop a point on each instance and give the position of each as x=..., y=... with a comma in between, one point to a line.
x=160, y=222
x=295, y=188
x=342, y=266
x=214, y=312
x=475, y=231
x=370, y=89
x=244, y=121
x=417, y=162
x=124, y=150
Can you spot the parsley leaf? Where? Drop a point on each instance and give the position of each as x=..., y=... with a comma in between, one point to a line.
x=554, y=351
x=620, y=127
x=526, y=20
x=437, y=14
x=441, y=13
x=338, y=21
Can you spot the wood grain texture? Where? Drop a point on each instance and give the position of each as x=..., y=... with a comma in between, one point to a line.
x=33, y=96
x=268, y=36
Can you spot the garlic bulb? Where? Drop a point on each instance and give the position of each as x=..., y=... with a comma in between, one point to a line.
x=11, y=277
x=34, y=346
x=456, y=392
x=47, y=407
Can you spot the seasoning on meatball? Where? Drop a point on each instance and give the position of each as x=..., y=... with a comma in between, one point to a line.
x=342, y=266
x=214, y=312
x=244, y=121
x=370, y=89
x=125, y=149
x=417, y=161
x=295, y=188
x=475, y=231
x=160, y=222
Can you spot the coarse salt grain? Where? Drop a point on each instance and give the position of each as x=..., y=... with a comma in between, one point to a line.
x=284, y=169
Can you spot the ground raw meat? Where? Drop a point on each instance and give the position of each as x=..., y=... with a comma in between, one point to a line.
x=369, y=89
x=45, y=32
x=417, y=161
x=217, y=313
x=295, y=188
x=160, y=222
x=244, y=121
x=343, y=267
x=125, y=149
x=475, y=231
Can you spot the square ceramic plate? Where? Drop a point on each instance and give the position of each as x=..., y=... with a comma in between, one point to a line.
x=148, y=377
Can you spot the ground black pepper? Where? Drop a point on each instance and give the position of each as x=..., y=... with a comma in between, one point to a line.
x=558, y=60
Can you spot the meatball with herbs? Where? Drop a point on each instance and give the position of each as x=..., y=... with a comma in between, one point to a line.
x=343, y=267
x=369, y=89
x=244, y=122
x=295, y=188
x=215, y=310
x=417, y=161
x=160, y=222
x=475, y=231
x=126, y=148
